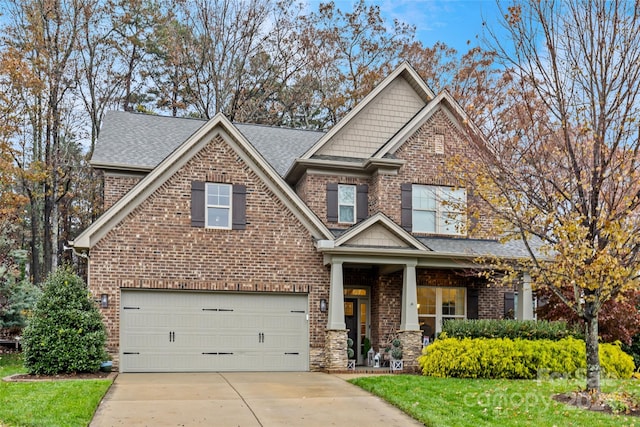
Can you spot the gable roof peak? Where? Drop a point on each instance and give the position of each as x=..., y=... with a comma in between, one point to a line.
x=403, y=71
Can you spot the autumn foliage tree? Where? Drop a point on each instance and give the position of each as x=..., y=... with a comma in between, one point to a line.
x=275, y=62
x=561, y=169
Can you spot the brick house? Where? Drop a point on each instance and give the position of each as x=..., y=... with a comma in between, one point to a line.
x=230, y=246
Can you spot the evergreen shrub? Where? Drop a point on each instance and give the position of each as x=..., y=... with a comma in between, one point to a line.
x=65, y=333
x=506, y=328
x=518, y=358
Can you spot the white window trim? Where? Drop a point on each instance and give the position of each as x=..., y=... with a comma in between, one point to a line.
x=355, y=196
x=439, y=316
x=207, y=205
x=440, y=210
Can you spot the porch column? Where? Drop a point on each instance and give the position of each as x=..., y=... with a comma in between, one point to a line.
x=409, y=316
x=336, y=298
x=524, y=310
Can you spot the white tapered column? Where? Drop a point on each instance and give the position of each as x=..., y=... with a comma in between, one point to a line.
x=409, y=317
x=336, y=297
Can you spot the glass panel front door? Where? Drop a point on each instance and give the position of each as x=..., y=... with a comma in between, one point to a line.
x=358, y=321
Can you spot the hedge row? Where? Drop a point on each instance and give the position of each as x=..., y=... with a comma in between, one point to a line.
x=525, y=329
x=518, y=359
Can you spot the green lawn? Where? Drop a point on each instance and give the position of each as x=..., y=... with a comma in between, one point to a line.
x=476, y=402
x=55, y=403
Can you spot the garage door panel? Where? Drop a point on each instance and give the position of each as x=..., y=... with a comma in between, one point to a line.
x=164, y=331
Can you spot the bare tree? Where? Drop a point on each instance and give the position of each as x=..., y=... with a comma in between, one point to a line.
x=562, y=164
x=44, y=33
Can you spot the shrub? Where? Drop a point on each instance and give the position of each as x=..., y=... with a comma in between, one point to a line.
x=518, y=359
x=17, y=295
x=633, y=349
x=66, y=333
x=525, y=329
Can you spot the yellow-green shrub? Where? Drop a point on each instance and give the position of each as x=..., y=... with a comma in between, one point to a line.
x=518, y=359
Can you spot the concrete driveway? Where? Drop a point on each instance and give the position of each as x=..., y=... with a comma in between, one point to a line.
x=242, y=399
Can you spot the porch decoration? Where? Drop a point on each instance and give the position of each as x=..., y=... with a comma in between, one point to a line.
x=396, y=355
x=351, y=363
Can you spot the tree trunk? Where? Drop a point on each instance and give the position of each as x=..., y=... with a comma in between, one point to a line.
x=36, y=274
x=593, y=356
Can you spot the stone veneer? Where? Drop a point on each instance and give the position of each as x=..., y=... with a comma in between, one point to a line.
x=411, y=349
x=335, y=350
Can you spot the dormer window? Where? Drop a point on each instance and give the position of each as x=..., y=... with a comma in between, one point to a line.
x=347, y=204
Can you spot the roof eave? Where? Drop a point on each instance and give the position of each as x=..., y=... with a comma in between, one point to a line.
x=120, y=167
x=367, y=166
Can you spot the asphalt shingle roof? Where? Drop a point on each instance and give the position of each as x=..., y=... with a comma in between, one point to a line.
x=143, y=141
x=279, y=146
x=478, y=247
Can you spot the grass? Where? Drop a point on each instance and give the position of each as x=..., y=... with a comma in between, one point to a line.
x=476, y=403
x=51, y=403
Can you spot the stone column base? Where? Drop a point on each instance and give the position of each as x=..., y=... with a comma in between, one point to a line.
x=335, y=348
x=411, y=349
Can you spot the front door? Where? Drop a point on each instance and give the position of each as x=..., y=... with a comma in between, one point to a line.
x=351, y=321
x=356, y=319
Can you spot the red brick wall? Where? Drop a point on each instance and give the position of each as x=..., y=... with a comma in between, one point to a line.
x=312, y=189
x=423, y=166
x=156, y=247
x=386, y=303
x=116, y=186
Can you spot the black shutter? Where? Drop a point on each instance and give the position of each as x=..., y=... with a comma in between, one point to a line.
x=406, y=216
x=472, y=303
x=362, y=202
x=509, y=305
x=239, y=207
x=197, y=204
x=332, y=202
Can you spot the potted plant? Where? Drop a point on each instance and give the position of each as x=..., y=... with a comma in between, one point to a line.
x=396, y=355
x=351, y=363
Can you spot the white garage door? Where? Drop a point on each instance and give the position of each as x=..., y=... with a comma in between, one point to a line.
x=179, y=331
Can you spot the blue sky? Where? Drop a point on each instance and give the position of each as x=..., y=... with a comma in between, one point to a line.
x=453, y=22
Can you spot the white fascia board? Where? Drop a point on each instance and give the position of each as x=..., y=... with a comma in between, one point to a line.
x=277, y=184
x=411, y=127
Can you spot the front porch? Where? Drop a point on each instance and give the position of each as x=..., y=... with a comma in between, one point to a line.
x=386, y=283
x=385, y=299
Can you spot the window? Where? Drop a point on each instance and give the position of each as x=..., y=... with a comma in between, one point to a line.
x=436, y=305
x=221, y=206
x=437, y=209
x=347, y=204
x=218, y=206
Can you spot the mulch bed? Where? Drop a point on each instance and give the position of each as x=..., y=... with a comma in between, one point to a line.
x=100, y=375
x=584, y=400
x=62, y=377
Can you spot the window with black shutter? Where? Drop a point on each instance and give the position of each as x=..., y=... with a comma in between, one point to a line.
x=218, y=205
